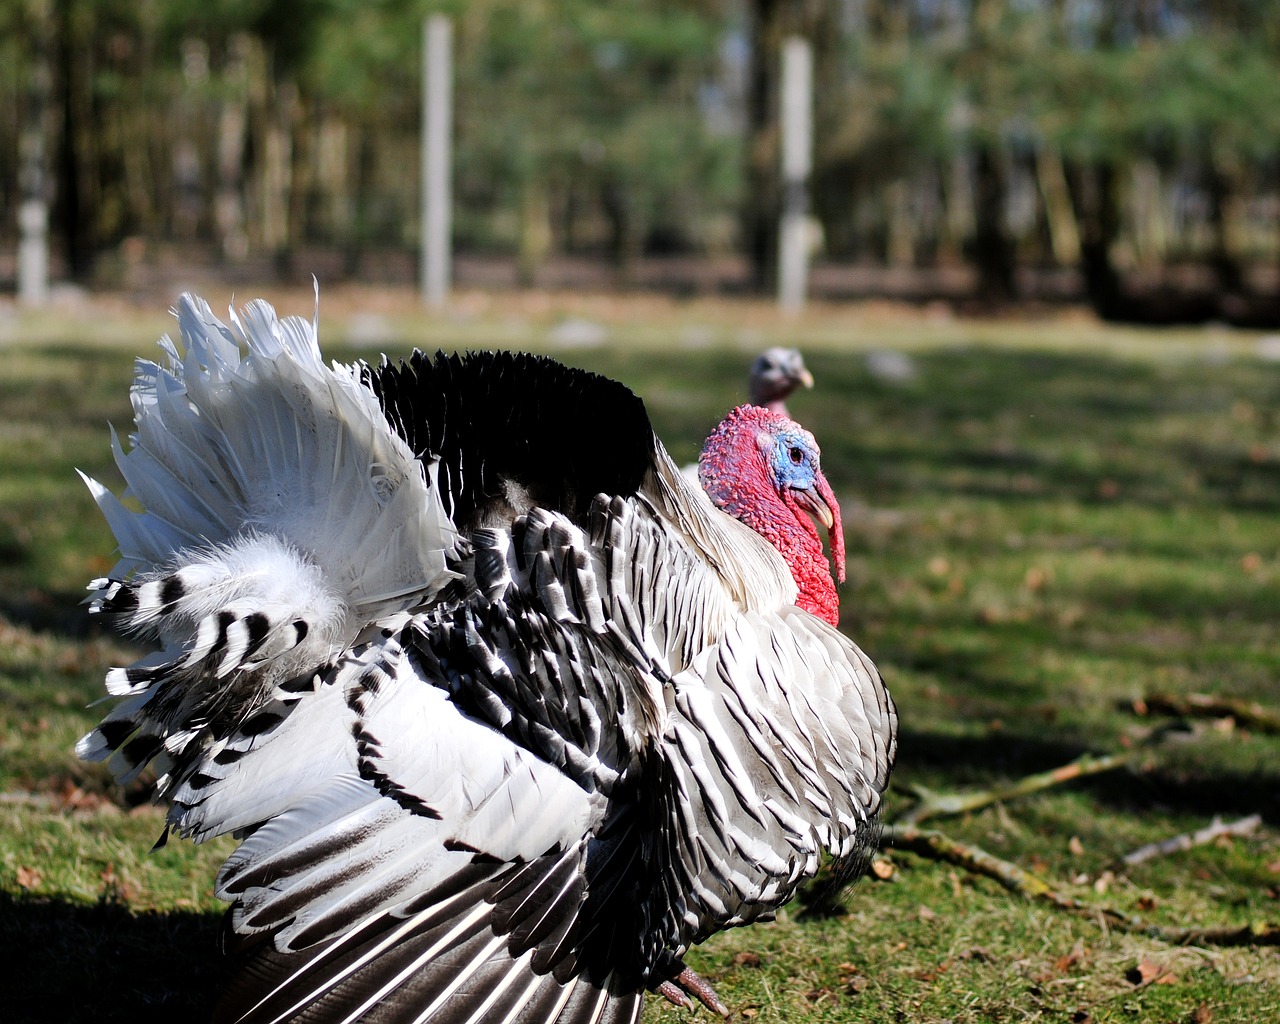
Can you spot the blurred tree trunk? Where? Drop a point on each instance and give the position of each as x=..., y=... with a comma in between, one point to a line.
x=301, y=177
x=957, y=218
x=534, y=244
x=277, y=168
x=72, y=218
x=1225, y=219
x=1146, y=206
x=1064, y=237
x=626, y=227
x=233, y=125
x=1092, y=189
x=993, y=250
x=900, y=214
x=332, y=178
x=763, y=189
x=364, y=163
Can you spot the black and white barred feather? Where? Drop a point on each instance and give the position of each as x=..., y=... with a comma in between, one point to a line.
x=506, y=715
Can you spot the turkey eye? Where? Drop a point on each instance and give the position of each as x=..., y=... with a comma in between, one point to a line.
x=797, y=456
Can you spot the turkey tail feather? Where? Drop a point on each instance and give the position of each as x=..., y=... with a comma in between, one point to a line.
x=430, y=969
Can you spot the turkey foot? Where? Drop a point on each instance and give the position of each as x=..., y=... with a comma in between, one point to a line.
x=685, y=982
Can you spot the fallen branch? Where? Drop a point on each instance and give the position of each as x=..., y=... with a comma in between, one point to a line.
x=1189, y=839
x=931, y=804
x=934, y=845
x=1246, y=714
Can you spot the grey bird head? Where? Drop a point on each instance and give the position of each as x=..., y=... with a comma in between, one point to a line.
x=775, y=374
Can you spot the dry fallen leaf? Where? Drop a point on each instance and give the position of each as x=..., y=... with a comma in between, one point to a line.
x=29, y=878
x=1075, y=846
x=1068, y=960
x=882, y=868
x=925, y=914
x=851, y=980
x=1201, y=1015
x=1148, y=972
x=746, y=960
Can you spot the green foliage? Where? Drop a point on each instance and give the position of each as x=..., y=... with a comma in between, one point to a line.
x=599, y=101
x=1020, y=81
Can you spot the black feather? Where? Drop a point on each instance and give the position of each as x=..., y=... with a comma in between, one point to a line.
x=505, y=425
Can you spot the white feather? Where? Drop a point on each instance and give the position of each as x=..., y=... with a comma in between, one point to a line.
x=248, y=432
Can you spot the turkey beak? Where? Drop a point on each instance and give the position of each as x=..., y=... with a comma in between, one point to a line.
x=820, y=502
x=811, y=501
x=805, y=377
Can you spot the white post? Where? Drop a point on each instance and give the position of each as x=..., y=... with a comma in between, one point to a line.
x=33, y=252
x=437, y=109
x=33, y=209
x=796, y=115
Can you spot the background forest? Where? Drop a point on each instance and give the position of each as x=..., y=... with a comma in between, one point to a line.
x=1126, y=151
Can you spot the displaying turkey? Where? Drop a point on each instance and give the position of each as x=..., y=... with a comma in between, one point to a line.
x=505, y=713
x=775, y=374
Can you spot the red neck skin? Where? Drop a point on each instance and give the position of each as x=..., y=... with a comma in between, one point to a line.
x=786, y=526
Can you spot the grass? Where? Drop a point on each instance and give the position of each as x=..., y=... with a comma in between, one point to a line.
x=1046, y=522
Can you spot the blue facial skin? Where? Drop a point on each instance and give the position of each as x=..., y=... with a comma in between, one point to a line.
x=793, y=461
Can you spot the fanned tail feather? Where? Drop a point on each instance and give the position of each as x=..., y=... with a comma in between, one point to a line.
x=249, y=431
x=279, y=515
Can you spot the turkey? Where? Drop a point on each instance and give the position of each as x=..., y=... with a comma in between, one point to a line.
x=505, y=714
x=775, y=374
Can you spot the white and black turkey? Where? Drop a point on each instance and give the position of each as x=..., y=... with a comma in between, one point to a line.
x=505, y=713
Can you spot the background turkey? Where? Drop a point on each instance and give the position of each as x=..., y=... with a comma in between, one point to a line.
x=775, y=374
x=506, y=714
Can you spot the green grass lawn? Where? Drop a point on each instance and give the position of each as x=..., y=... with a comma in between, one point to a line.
x=1041, y=528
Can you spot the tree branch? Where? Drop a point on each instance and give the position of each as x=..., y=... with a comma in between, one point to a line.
x=933, y=845
x=1247, y=714
x=932, y=804
x=1198, y=838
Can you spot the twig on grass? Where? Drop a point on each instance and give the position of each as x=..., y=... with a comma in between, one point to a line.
x=1246, y=714
x=934, y=845
x=932, y=804
x=1187, y=840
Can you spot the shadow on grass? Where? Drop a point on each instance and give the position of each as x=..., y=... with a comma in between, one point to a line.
x=1171, y=786
x=60, y=611
x=101, y=963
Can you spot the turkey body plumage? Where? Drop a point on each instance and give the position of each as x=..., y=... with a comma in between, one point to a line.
x=505, y=713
